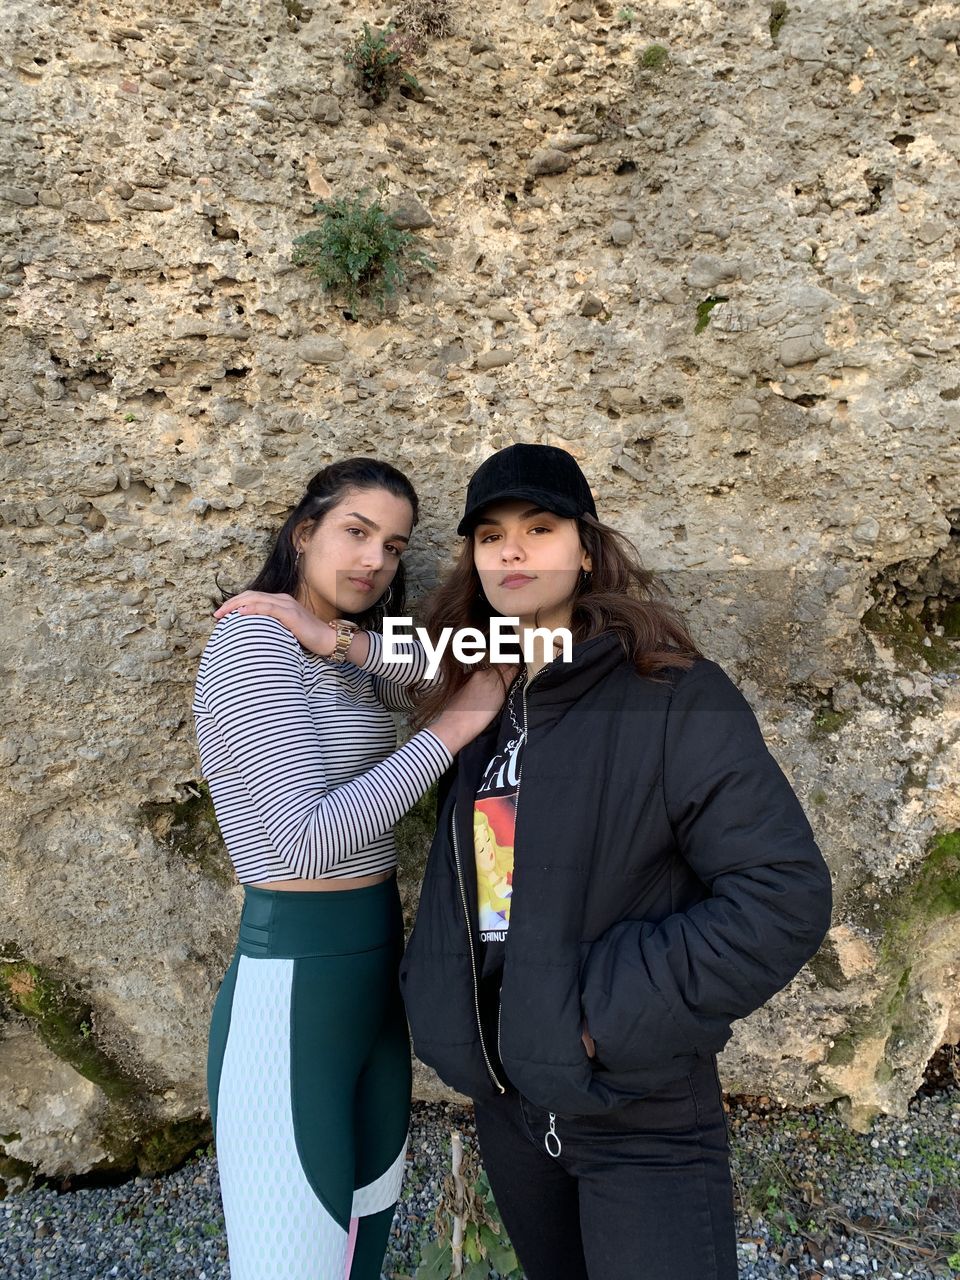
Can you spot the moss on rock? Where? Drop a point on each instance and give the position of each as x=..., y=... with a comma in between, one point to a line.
x=414, y=833
x=843, y=1051
x=950, y=621
x=828, y=721
x=188, y=827
x=884, y=1073
x=704, y=308
x=169, y=1145
x=930, y=894
x=64, y=1022
x=14, y=1173
x=127, y=1130
x=911, y=642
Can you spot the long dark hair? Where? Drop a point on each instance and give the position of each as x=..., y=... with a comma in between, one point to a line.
x=618, y=596
x=280, y=572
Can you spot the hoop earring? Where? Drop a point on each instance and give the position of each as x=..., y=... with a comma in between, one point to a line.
x=386, y=597
x=296, y=563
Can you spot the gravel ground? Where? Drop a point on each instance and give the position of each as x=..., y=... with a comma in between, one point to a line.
x=815, y=1201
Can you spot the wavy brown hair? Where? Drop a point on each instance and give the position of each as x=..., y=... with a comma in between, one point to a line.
x=618, y=596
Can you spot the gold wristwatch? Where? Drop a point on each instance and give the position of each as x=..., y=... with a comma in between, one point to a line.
x=345, y=632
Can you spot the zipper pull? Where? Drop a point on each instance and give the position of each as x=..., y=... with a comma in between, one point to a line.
x=553, y=1147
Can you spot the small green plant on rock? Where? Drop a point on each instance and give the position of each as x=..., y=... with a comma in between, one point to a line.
x=654, y=58
x=778, y=16
x=357, y=251
x=377, y=57
x=827, y=721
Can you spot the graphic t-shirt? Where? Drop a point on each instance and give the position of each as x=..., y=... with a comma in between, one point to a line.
x=494, y=818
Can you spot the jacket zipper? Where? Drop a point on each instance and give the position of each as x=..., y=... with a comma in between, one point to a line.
x=551, y=1139
x=473, y=958
x=516, y=809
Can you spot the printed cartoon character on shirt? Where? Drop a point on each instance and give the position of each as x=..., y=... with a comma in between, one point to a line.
x=494, y=862
x=494, y=822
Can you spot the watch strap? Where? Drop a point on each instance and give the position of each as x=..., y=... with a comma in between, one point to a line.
x=345, y=632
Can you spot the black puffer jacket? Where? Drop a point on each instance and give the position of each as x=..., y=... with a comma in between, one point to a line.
x=666, y=882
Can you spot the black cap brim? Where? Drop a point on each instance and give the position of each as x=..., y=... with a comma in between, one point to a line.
x=547, y=501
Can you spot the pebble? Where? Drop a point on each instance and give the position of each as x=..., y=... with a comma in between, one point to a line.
x=572, y=141
x=149, y=202
x=18, y=195
x=410, y=215
x=801, y=348
x=321, y=350
x=707, y=271
x=496, y=358
x=328, y=110
x=87, y=210
x=172, y=1226
x=548, y=161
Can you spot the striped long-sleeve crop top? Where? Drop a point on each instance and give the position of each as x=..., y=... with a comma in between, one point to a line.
x=300, y=753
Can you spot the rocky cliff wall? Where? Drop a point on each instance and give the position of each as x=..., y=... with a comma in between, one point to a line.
x=708, y=247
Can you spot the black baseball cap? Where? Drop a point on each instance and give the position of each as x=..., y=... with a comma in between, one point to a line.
x=546, y=475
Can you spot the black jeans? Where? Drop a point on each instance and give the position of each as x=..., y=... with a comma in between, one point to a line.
x=640, y=1193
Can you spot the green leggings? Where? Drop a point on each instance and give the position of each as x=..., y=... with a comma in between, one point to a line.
x=308, y=1077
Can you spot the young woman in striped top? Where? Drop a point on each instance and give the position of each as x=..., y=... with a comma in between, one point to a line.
x=308, y=1069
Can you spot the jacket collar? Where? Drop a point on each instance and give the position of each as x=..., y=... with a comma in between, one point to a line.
x=559, y=683
x=555, y=687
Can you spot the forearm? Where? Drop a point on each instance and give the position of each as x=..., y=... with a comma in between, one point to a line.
x=674, y=988
x=410, y=670
x=315, y=834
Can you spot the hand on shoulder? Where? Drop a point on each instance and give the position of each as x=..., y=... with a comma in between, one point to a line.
x=472, y=708
x=312, y=632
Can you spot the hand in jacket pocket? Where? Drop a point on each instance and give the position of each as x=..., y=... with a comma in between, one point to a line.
x=588, y=1042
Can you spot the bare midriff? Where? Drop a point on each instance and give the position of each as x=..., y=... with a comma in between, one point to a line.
x=328, y=885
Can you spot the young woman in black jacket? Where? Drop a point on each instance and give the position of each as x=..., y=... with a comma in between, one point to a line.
x=620, y=870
